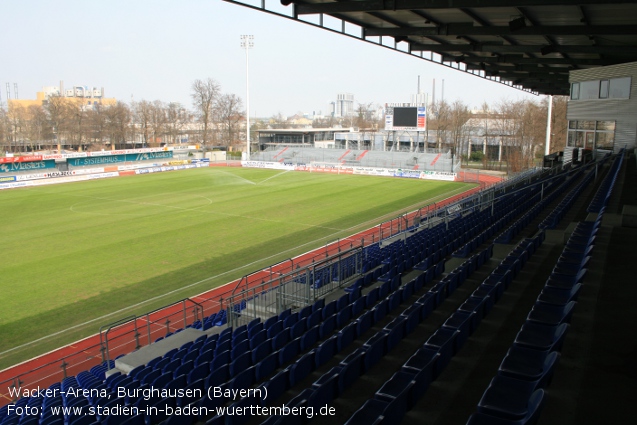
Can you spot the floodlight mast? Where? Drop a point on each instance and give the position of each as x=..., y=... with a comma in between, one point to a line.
x=247, y=42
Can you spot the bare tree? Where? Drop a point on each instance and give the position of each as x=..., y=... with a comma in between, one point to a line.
x=204, y=97
x=38, y=128
x=118, y=121
x=58, y=118
x=439, y=122
x=228, y=115
x=4, y=129
x=17, y=125
x=142, y=119
x=97, y=122
x=76, y=121
x=278, y=121
x=559, y=124
x=157, y=121
x=458, y=131
x=326, y=122
x=176, y=118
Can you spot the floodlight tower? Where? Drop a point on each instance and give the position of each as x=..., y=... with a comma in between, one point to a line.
x=247, y=42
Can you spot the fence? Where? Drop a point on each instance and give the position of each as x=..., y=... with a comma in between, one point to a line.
x=298, y=288
x=184, y=313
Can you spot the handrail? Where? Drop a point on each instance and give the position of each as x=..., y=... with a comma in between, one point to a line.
x=198, y=314
x=104, y=340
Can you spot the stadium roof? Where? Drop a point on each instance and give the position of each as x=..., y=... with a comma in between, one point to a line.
x=527, y=44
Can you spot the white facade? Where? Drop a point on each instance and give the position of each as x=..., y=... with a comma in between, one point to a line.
x=602, y=111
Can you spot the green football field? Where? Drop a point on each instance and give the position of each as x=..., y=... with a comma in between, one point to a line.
x=75, y=252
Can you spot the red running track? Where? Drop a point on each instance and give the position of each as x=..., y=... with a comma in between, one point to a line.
x=74, y=358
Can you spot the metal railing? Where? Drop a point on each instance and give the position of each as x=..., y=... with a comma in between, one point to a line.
x=256, y=296
x=184, y=313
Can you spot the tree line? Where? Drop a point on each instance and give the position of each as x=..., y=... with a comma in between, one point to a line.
x=214, y=120
x=512, y=132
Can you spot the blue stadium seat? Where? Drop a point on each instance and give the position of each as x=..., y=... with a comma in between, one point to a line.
x=289, y=351
x=240, y=364
x=423, y=366
x=326, y=350
x=443, y=340
x=261, y=351
x=278, y=384
x=541, y=337
x=550, y=314
x=529, y=365
x=309, y=338
x=374, y=349
x=509, y=398
x=266, y=367
x=298, y=329
x=398, y=392
x=301, y=368
x=351, y=367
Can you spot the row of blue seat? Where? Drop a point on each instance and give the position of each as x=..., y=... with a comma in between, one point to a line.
x=516, y=394
x=604, y=191
x=554, y=218
x=402, y=391
x=333, y=382
x=451, y=281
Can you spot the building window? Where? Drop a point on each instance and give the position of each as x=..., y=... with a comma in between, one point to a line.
x=585, y=125
x=591, y=134
x=620, y=88
x=589, y=90
x=575, y=91
x=614, y=88
x=603, y=89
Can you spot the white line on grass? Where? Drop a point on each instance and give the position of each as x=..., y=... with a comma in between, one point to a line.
x=196, y=209
x=276, y=175
x=239, y=177
x=72, y=207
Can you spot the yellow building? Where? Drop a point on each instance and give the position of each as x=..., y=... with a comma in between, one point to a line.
x=80, y=95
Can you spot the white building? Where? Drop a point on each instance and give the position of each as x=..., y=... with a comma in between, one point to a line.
x=343, y=106
x=602, y=110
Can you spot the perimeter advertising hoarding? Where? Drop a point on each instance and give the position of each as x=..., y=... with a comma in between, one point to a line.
x=24, y=158
x=14, y=167
x=112, y=159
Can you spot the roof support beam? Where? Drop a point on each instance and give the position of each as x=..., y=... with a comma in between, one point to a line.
x=546, y=49
x=392, y=5
x=470, y=30
x=521, y=60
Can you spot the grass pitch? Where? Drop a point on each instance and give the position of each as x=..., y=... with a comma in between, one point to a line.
x=75, y=252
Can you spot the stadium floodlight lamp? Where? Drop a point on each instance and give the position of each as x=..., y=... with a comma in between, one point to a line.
x=247, y=42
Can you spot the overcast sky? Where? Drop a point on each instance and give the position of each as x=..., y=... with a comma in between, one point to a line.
x=155, y=49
